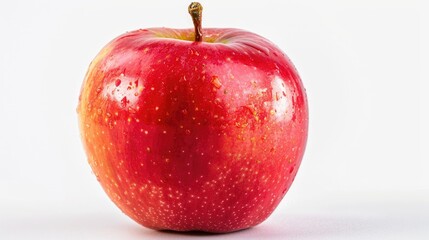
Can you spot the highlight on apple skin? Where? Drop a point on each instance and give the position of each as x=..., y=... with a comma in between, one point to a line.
x=198, y=129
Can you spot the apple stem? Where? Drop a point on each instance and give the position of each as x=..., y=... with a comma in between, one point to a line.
x=195, y=9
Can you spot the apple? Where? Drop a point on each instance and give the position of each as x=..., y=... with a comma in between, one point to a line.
x=193, y=129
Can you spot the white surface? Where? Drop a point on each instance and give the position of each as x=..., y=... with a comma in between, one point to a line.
x=364, y=64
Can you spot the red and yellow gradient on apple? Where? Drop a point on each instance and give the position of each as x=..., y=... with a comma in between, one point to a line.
x=193, y=134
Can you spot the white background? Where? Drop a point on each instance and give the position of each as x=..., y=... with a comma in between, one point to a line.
x=365, y=174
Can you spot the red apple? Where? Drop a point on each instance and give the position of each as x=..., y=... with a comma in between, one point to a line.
x=193, y=129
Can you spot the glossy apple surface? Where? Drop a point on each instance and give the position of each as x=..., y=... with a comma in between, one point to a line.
x=186, y=135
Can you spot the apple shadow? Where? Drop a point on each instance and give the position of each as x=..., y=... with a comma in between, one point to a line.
x=295, y=227
x=310, y=227
x=201, y=233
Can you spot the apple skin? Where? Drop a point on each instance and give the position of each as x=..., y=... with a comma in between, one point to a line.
x=185, y=135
